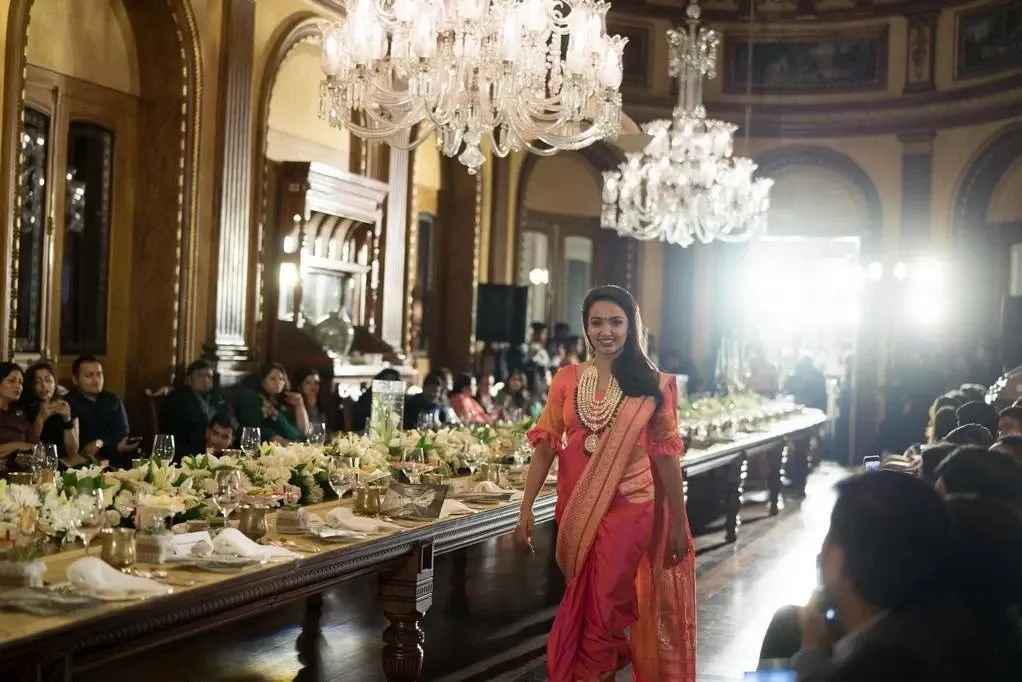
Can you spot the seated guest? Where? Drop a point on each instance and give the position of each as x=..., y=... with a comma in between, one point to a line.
x=1008, y=445
x=464, y=403
x=363, y=410
x=972, y=469
x=50, y=414
x=307, y=383
x=219, y=433
x=484, y=393
x=15, y=427
x=976, y=412
x=428, y=407
x=885, y=572
x=514, y=397
x=971, y=434
x=931, y=457
x=102, y=419
x=188, y=409
x=944, y=422
x=1009, y=421
x=269, y=406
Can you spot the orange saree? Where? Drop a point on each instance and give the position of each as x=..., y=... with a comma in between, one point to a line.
x=623, y=603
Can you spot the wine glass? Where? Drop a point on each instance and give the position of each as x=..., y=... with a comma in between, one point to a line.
x=317, y=433
x=414, y=465
x=163, y=448
x=227, y=495
x=428, y=421
x=45, y=461
x=91, y=515
x=251, y=439
x=343, y=475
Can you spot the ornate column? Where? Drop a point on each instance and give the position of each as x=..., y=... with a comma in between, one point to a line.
x=919, y=58
x=394, y=250
x=457, y=234
x=916, y=234
x=231, y=324
x=501, y=245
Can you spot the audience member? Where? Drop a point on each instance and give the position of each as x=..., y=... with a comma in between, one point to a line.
x=188, y=409
x=978, y=413
x=971, y=434
x=931, y=457
x=220, y=433
x=1009, y=421
x=362, y=412
x=49, y=413
x=975, y=470
x=484, y=393
x=307, y=383
x=428, y=409
x=463, y=401
x=944, y=422
x=15, y=427
x=269, y=405
x=514, y=399
x=884, y=568
x=1009, y=445
x=102, y=420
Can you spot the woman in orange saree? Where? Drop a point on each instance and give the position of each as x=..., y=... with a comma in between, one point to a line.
x=623, y=539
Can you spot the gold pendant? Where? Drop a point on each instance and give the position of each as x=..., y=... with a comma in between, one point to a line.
x=591, y=443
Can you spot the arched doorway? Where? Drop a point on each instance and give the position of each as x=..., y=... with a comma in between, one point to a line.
x=562, y=251
x=986, y=223
x=100, y=104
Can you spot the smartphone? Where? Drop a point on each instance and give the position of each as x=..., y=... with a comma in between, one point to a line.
x=771, y=676
x=871, y=463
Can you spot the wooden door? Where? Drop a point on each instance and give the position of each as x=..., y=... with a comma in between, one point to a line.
x=75, y=241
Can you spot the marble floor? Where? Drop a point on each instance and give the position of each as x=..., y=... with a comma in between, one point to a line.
x=493, y=606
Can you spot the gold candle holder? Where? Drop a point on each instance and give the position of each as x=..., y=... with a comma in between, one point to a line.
x=20, y=478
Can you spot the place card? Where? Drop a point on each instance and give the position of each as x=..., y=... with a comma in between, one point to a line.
x=163, y=547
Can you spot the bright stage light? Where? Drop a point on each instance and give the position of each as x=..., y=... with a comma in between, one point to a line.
x=874, y=271
x=924, y=310
x=927, y=272
x=539, y=276
x=900, y=271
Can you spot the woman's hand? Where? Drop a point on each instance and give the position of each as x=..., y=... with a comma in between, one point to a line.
x=679, y=543
x=523, y=531
x=62, y=408
x=293, y=399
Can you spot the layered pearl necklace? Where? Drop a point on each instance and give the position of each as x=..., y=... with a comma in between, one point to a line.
x=595, y=415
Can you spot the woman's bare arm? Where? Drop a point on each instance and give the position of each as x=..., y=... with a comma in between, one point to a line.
x=669, y=470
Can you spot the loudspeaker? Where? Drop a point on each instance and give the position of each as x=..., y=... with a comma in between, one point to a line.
x=1011, y=331
x=500, y=313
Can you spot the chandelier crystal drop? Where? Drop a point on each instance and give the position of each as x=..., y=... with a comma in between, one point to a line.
x=541, y=75
x=685, y=186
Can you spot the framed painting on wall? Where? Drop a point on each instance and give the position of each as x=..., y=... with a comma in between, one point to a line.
x=988, y=39
x=635, y=61
x=811, y=64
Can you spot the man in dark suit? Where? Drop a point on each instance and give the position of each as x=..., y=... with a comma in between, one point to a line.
x=888, y=611
x=102, y=420
x=188, y=409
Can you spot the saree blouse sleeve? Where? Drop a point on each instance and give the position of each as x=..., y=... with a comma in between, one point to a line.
x=550, y=426
x=664, y=438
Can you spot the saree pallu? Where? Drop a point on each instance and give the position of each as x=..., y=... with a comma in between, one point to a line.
x=623, y=603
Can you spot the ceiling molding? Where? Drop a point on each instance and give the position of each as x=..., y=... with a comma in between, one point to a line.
x=803, y=12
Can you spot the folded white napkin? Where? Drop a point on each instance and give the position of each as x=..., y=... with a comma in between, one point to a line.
x=96, y=577
x=342, y=517
x=488, y=487
x=233, y=541
x=455, y=508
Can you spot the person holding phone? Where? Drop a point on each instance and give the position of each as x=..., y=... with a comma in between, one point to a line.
x=102, y=420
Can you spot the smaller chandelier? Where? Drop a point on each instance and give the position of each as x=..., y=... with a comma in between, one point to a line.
x=686, y=186
x=541, y=75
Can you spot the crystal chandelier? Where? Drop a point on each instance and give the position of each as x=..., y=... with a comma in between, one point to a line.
x=541, y=75
x=685, y=186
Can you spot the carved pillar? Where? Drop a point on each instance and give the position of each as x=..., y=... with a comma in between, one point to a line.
x=457, y=231
x=916, y=191
x=230, y=325
x=393, y=295
x=919, y=60
x=502, y=247
x=405, y=595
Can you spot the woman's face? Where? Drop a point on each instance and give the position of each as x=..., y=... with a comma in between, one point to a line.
x=516, y=383
x=45, y=384
x=310, y=387
x=471, y=388
x=10, y=386
x=274, y=382
x=485, y=383
x=607, y=327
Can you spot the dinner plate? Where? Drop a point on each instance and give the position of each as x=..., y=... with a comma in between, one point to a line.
x=336, y=534
x=219, y=563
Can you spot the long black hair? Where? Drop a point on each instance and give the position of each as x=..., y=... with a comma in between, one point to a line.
x=633, y=369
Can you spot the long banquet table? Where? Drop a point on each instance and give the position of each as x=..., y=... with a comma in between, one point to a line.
x=55, y=648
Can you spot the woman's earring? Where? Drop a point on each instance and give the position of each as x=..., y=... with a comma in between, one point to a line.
x=590, y=351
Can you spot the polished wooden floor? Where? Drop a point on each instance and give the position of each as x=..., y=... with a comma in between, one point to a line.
x=493, y=606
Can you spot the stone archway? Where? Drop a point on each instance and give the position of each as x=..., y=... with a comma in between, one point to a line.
x=978, y=181
x=169, y=115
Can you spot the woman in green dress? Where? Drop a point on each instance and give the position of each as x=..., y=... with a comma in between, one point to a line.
x=270, y=406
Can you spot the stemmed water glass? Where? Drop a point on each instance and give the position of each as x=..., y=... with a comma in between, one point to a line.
x=317, y=433
x=227, y=495
x=44, y=459
x=251, y=439
x=428, y=421
x=163, y=448
x=91, y=515
x=414, y=465
x=343, y=475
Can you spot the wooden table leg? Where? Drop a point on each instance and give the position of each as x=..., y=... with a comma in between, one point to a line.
x=37, y=669
x=798, y=466
x=310, y=654
x=736, y=473
x=406, y=594
x=778, y=459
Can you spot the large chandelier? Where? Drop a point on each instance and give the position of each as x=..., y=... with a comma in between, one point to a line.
x=685, y=186
x=542, y=75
